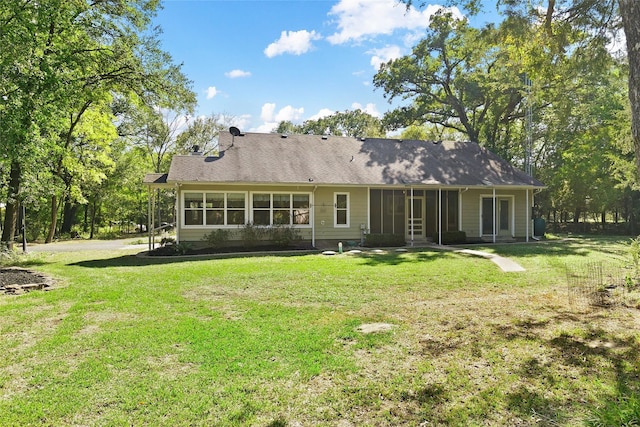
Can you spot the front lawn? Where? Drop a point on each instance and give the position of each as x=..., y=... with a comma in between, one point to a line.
x=275, y=341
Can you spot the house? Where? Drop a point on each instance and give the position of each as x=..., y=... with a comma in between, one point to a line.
x=340, y=188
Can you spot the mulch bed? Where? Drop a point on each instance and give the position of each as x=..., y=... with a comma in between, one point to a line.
x=17, y=281
x=170, y=250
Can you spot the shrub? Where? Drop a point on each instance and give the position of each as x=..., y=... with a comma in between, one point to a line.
x=251, y=234
x=451, y=237
x=166, y=241
x=217, y=238
x=283, y=235
x=384, y=240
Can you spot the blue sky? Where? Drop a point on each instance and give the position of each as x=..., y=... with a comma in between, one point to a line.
x=263, y=61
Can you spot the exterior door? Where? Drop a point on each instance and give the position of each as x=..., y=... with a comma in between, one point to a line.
x=503, y=216
x=415, y=223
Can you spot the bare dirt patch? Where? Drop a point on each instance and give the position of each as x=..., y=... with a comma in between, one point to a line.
x=17, y=281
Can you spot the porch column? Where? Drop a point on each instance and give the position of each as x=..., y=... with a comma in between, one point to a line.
x=149, y=210
x=494, y=215
x=153, y=219
x=440, y=216
x=178, y=212
x=526, y=216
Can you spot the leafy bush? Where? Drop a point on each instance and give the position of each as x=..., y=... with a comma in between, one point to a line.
x=451, y=237
x=166, y=241
x=384, y=240
x=217, y=238
x=283, y=235
x=251, y=234
x=171, y=250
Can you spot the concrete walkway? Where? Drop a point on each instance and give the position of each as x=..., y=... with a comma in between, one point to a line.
x=505, y=264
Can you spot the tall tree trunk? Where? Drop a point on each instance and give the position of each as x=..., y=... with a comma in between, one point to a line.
x=68, y=216
x=93, y=218
x=630, y=11
x=85, y=222
x=11, y=209
x=54, y=219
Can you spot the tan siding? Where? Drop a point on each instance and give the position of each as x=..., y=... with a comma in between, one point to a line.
x=323, y=199
x=324, y=213
x=470, y=220
x=471, y=210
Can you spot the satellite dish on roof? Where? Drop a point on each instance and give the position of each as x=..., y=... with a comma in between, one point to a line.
x=234, y=131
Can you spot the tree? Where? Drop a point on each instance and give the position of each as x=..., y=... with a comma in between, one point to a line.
x=596, y=18
x=203, y=133
x=354, y=123
x=62, y=57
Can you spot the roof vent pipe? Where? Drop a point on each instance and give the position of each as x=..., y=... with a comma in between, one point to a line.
x=196, y=151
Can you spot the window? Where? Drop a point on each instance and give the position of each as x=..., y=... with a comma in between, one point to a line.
x=341, y=213
x=214, y=209
x=262, y=209
x=281, y=209
x=193, y=204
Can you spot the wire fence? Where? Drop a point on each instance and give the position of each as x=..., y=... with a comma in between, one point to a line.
x=597, y=284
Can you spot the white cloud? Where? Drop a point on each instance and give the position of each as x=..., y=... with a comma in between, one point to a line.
x=358, y=19
x=370, y=108
x=325, y=112
x=384, y=55
x=293, y=42
x=211, y=92
x=289, y=113
x=272, y=118
x=267, y=112
x=234, y=74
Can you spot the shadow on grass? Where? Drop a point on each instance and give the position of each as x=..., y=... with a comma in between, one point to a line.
x=576, y=246
x=599, y=354
x=139, y=261
x=397, y=258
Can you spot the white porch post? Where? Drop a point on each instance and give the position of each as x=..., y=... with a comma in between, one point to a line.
x=440, y=216
x=527, y=218
x=152, y=220
x=494, y=215
x=178, y=212
x=149, y=210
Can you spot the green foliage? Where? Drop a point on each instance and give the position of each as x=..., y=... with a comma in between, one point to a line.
x=451, y=237
x=218, y=238
x=354, y=123
x=251, y=234
x=283, y=235
x=167, y=241
x=384, y=240
x=623, y=411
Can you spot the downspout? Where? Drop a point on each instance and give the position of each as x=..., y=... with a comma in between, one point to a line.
x=440, y=216
x=313, y=217
x=494, y=215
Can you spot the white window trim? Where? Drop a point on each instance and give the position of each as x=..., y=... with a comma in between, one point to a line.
x=291, y=208
x=335, y=210
x=204, y=209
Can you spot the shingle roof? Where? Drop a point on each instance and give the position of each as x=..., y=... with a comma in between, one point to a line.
x=304, y=159
x=155, y=178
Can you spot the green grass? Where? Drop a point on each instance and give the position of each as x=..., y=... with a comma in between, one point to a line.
x=274, y=341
